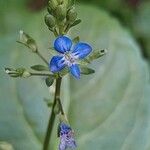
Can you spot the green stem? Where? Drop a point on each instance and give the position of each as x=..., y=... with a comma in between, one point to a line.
x=53, y=115
x=41, y=56
x=41, y=74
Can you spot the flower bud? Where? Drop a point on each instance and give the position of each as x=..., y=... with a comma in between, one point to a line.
x=66, y=3
x=50, y=21
x=71, y=15
x=49, y=10
x=28, y=41
x=60, y=1
x=19, y=72
x=11, y=72
x=53, y=4
x=60, y=12
x=26, y=74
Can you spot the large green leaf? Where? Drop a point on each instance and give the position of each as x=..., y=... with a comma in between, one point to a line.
x=108, y=110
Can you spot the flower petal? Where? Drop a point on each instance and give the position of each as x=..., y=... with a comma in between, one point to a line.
x=75, y=71
x=66, y=137
x=56, y=64
x=62, y=44
x=62, y=145
x=81, y=50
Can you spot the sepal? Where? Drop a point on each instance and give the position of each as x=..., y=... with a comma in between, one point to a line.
x=87, y=71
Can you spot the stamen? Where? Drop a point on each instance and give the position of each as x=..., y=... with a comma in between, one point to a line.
x=69, y=59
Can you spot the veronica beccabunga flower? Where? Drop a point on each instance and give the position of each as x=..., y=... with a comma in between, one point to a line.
x=69, y=55
x=66, y=135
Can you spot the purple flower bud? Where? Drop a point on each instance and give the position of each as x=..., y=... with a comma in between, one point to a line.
x=66, y=135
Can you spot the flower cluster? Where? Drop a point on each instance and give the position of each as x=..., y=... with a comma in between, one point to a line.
x=66, y=137
x=61, y=16
x=69, y=55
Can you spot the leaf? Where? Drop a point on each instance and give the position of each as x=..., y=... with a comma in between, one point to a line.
x=78, y=21
x=49, y=81
x=108, y=110
x=40, y=68
x=87, y=71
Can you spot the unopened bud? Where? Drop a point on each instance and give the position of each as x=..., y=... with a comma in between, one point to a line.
x=49, y=10
x=11, y=72
x=26, y=74
x=60, y=12
x=53, y=4
x=71, y=15
x=60, y=2
x=27, y=41
x=50, y=21
x=19, y=72
x=66, y=3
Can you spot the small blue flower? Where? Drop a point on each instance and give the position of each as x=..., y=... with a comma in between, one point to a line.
x=66, y=137
x=68, y=55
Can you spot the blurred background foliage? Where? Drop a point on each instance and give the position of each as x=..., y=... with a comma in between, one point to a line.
x=134, y=15
x=111, y=111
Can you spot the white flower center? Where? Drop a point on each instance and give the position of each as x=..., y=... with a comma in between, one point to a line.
x=70, y=59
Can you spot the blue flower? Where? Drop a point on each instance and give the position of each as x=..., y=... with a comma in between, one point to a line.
x=68, y=56
x=66, y=137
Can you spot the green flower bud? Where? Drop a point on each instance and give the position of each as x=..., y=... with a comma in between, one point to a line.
x=60, y=12
x=26, y=74
x=19, y=72
x=60, y=2
x=71, y=15
x=11, y=72
x=66, y=3
x=49, y=10
x=50, y=21
x=28, y=41
x=53, y=4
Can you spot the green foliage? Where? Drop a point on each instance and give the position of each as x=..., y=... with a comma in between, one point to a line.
x=141, y=26
x=76, y=39
x=108, y=111
x=39, y=68
x=87, y=71
x=134, y=15
x=49, y=81
x=28, y=41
